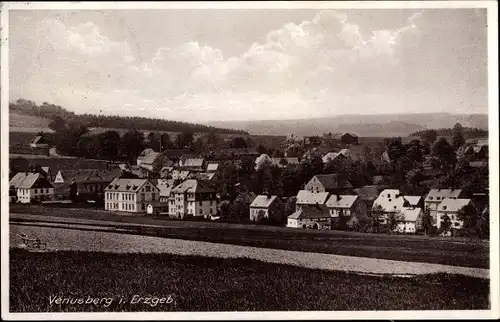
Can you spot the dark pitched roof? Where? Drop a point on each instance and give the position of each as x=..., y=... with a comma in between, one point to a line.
x=310, y=212
x=331, y=181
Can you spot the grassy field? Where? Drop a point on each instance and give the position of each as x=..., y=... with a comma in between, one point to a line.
x=196, y=283
x=403, y=248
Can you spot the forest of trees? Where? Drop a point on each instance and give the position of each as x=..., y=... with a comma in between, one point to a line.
x=51, y=111
x=468, y=133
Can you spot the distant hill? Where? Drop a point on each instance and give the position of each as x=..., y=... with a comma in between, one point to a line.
x=363, y=125
x=47, y=112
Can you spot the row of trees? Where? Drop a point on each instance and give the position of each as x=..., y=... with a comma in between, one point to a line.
x=468, y=133
x=52, y=111
x=73, y=138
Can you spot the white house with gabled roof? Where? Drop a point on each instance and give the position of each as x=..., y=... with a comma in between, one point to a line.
x=266, y=206
x=345, y=206
x=451, y=208
x=307, y=197
x=31, y=187
x=130, y=195
x=436, y=196
x=407, y=224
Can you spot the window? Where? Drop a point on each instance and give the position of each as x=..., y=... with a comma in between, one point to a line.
x=148, y=188
x=200, y=202
x=388, y=196
x=457, y=224
x=211, y=211
x=201, y=211
x=143, y=206
x=36, y=191
x=153, y=195
x=211, y=202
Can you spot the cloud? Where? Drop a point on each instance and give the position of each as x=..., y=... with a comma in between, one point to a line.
x=322, y=65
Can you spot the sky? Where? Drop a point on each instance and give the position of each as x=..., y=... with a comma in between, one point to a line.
x=233, y=64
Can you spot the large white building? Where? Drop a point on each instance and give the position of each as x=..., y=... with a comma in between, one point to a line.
x=451, y=207
x=192, y=198
x=392, y=201
x=306, y=197
x=436, y=196
x=408, y=223
x=31, y=187
x=130, y=195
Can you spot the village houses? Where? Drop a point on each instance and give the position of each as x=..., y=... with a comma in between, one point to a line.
x=307, y=197
x=391, y=201
x=192, y=198
x=408, y=223
x=328, y=183
x=310, y=216
x=31, y=187
x=130, y=195
x=436, y=196
x=451, y=207
x=266, y=206
x=346, y=206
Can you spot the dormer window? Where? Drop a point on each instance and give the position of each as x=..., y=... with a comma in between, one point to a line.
x=444, y=207
x=430, y=198
x=388, y=196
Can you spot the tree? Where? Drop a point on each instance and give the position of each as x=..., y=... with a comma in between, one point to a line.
x=427, y=220
x=261, y=149
x=445, y=154
x=393, y=220
x=238, y=143
x=469, y=217
x=109, y=142
x=132, y=144
x=376, y=214
x=429, y=136
x=414, y=151
x=457, y=140
x=184, y=140
x=212, y=140
x=396, y=149
x=446, y=224
x=294, y=151
x=19, y=164
x=290, y=206
x=67, y=137
x=57, y=124
x=153, y=142
x=165, y=142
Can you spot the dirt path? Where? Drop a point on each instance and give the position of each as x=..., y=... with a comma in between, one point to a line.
x=68, y=239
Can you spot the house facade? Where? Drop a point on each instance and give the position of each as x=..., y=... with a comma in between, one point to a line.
x=328, y=183
x=130, y=195
x=436, y=196
x=345, y=206
x=192, y=198
x=153, y=161
x=307, y=197
x=31, y=187
x=451, y=207
x=391, y=201
x=310, y=216
x=266, y=206
x=408, y=221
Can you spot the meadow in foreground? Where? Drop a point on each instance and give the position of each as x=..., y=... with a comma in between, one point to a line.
x=195, y=283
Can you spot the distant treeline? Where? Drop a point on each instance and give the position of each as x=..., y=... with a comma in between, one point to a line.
x=51, y=111
x=468, y=133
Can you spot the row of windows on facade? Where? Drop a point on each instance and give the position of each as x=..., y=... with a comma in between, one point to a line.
x=191, y=211
x=191, y=203
x=41, y=190
x=125, y=206
x=125, y=197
